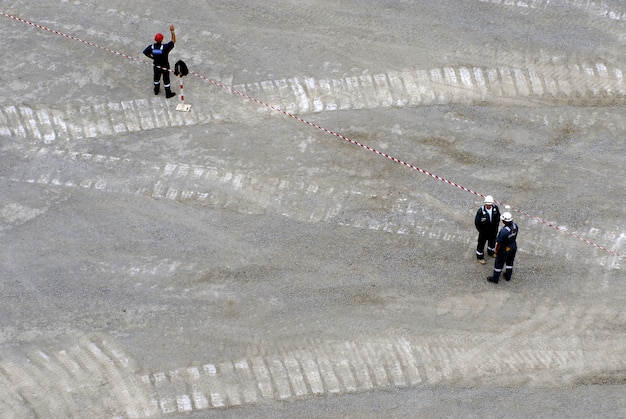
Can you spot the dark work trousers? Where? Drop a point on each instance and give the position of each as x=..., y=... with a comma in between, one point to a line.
x=490, y=239
x=166, y=77
x=504, y=260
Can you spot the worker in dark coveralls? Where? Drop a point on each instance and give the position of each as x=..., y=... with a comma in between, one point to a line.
x=506, y=247
x=487, y=221
x=159, y=52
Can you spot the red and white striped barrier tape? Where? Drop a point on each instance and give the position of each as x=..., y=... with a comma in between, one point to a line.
x=314, y=125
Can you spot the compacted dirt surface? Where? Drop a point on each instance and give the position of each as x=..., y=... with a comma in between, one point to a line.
x=300, y=243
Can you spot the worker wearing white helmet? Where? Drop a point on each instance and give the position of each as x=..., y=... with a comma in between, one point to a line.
x=487, y=221
x=506, y=247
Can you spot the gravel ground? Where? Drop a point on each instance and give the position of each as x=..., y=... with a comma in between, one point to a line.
x=266, y=255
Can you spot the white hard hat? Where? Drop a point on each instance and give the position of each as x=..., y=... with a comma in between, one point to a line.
x=506, y=217
x=489, y=199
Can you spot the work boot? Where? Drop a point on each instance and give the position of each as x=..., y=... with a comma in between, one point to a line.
x=169, y=93
x=481, y=261
x=157, y=88
x=491, y=279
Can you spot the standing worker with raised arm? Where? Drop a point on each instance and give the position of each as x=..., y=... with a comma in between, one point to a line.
x=158, y=52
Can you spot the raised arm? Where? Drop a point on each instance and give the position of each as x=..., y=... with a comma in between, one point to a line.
x=173, y=33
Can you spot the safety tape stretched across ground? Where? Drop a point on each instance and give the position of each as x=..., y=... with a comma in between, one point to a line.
x=335, y=134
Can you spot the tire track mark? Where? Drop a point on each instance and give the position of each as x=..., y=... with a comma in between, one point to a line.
x=251, y=192
x=93, y=376
x=12, y=403
x=602, y=8
x=557, y=346
x=369, y=364
x=598, y=82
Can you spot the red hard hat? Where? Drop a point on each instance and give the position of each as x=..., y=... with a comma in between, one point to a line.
x=158, y=37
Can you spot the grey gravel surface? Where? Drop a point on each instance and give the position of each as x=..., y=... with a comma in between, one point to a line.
x=301, y=243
